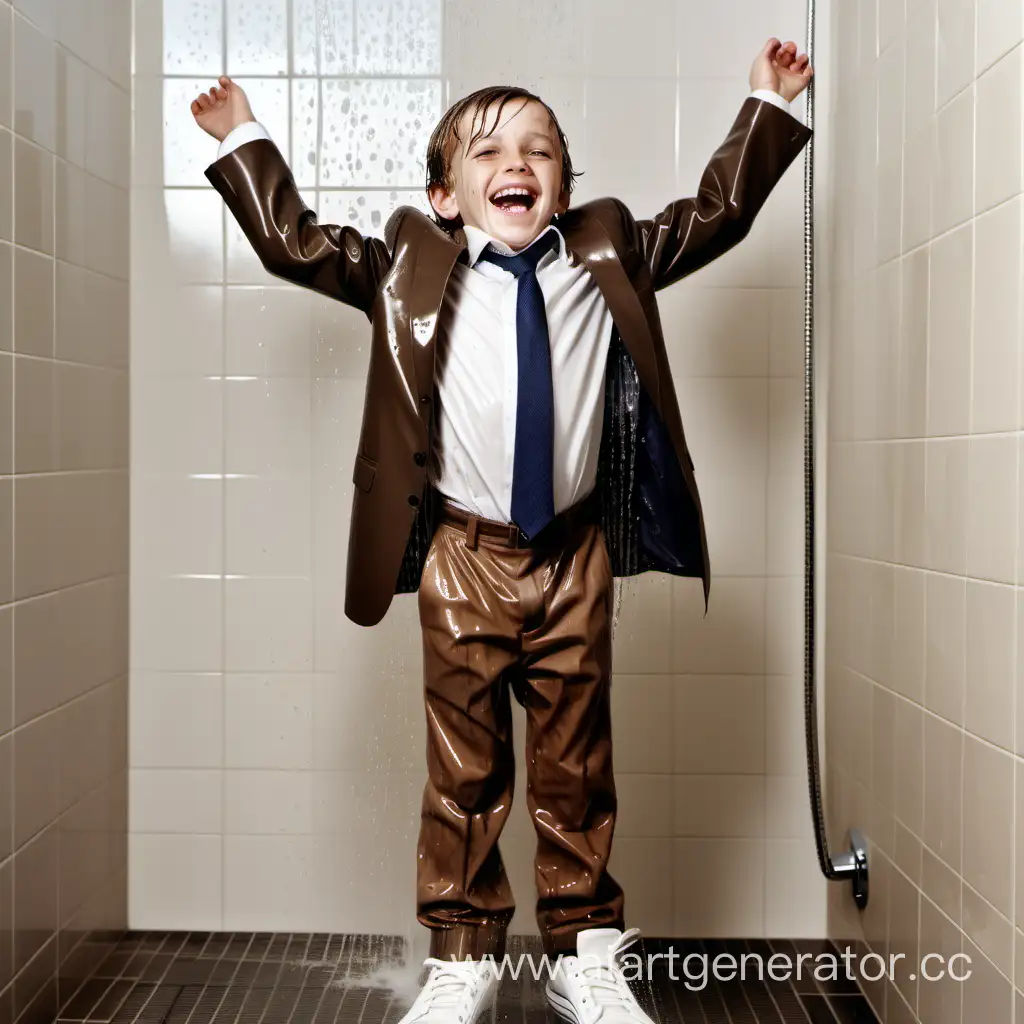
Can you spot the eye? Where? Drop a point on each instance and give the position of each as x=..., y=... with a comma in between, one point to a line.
x=540, y=152
x=486, y=152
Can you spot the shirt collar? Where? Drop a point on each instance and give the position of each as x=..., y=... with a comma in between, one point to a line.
x=477, y=241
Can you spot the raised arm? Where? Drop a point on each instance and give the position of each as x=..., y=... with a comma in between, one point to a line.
x=257, y=185
x=764, y=140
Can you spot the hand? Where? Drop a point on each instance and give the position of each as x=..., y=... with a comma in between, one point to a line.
x=222, y=108
x=777, y=67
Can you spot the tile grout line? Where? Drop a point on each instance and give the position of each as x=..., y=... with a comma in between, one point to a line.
x=224, y=420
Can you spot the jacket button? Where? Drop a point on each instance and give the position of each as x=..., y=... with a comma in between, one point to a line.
x=424, y=399
x=413, y=500
x=420, y=458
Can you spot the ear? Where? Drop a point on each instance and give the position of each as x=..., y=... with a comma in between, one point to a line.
x=563, y=202
x=444, y=203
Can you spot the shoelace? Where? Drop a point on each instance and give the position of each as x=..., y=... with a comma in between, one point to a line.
x=603, y=981
x=447, y=983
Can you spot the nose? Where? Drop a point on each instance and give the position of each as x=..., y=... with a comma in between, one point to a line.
x=517, y=165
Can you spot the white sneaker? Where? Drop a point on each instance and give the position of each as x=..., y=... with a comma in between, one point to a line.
x=455, y=992
x=591, y=985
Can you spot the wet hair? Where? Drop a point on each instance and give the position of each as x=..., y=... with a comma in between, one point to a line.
x=446, y=137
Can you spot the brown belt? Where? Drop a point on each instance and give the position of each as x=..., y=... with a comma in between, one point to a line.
x=509, y=535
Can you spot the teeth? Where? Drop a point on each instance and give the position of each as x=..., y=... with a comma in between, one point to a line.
x=512, y=192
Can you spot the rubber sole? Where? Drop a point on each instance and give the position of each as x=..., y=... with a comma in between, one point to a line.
x=562, y=1006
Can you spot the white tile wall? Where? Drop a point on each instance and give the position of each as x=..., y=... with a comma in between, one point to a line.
x=997, y=319
x=270, y=737
x=720, y=886
x=175, y=881
x=999, y=132
x=952, y=197
x=64, y=167
x=936, y=696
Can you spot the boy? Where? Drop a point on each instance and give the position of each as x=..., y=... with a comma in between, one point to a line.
x=521, y=446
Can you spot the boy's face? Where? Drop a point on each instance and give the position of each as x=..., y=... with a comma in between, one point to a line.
x=521, y=154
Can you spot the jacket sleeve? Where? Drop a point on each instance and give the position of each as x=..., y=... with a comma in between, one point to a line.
x=259, y=190
x=690, y=233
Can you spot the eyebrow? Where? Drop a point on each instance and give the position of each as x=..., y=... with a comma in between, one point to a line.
x=493, y=136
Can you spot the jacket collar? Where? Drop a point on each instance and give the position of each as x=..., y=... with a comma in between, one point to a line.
x=581, y=233
x=587, y=236
x=477, y=241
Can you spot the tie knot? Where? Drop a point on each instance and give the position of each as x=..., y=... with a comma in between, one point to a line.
x=524, y=261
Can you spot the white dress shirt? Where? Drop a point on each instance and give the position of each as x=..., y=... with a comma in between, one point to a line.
x=476, y=366
x=476, y=374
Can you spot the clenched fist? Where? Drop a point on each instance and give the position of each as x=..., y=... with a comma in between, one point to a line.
x=222, y=108
x=777, y=67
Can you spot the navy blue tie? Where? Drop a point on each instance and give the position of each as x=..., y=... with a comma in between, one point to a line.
x=533, y=497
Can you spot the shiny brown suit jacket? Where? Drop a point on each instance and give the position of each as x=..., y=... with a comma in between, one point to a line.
x=653, y=520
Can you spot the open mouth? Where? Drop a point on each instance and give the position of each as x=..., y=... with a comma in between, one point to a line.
x=514, y=200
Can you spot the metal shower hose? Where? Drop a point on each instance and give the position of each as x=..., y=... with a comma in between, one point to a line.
x=851, y=866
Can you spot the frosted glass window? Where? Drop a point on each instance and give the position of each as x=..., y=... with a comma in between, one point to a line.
x=375, y=132
x=193, y=37
x=257, y=37
x=269, y=98
x=398, y=37
x=305, y=130
x=304, y=37
x=323, y=37
x=187, y=149
x=368, y=212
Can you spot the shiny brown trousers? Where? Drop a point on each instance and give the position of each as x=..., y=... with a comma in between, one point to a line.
x=536, y=621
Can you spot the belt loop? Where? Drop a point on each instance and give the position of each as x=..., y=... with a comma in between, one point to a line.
x=471, y=531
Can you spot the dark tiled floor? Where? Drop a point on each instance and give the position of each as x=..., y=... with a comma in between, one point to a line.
x=179, y=978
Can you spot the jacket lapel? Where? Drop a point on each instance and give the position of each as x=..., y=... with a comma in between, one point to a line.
x=588, y=239
x=433, y=258
x=432, y=261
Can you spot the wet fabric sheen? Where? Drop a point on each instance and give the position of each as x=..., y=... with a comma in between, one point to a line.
x=534, y=623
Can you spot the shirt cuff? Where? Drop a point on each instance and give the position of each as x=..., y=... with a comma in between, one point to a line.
x=240, y=135
x=770, y=96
